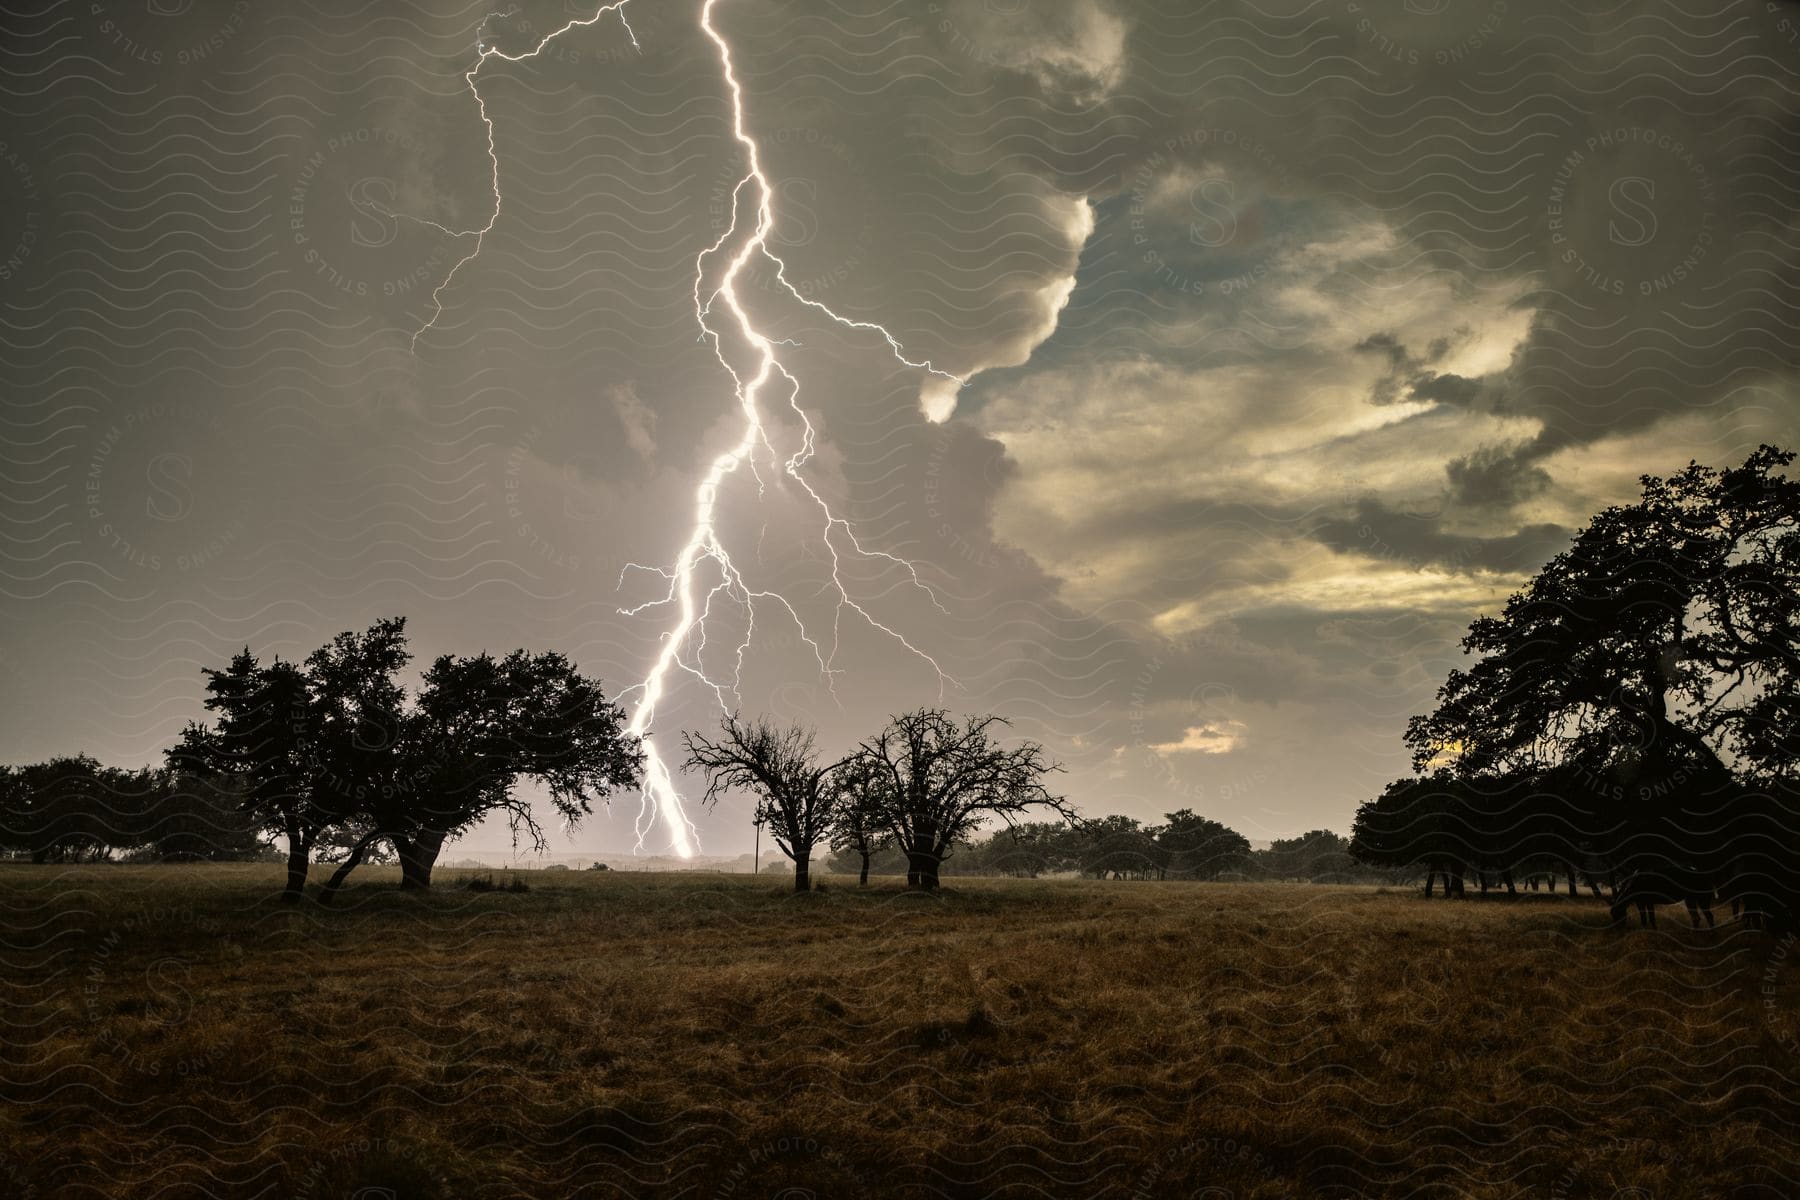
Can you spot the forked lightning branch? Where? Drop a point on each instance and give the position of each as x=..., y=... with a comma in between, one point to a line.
x=703, y=573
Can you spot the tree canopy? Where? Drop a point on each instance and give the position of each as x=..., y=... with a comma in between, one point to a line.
x=1668, y=633
x=1634, y=703
x=939, y=778
x=339, y=746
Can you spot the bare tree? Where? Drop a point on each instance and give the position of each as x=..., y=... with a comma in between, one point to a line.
x=795, y=796
x=943, y=777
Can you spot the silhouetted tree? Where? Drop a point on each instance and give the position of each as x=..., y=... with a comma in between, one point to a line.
x=859, y=829
x=479, y=727
x=1316, y=854
x=61, y=810
x=1027, y=849
x=336, y=752
x=261, y=744
x=1118, y=845
x=1663, y=647
x=795, y=796
x=185, y=818
x=1454, y=828
x=944, y=777
x=74, y=809
x=362, y=770
x=1200, y=847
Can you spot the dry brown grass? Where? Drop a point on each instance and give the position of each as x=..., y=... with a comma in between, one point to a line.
x=173, y=1031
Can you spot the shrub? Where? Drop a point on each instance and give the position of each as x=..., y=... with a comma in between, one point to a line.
x=484, y=882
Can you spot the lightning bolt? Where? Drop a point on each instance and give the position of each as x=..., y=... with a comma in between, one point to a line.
x=483, y=52
x=690, y=597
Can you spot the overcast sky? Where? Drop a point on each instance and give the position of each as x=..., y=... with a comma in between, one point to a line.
x=1297, y=333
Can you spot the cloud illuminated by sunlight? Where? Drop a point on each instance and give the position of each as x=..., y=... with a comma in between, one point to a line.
x=1220, y=737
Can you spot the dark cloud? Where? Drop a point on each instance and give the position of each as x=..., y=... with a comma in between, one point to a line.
x=1496, y=477
x=1446, y=389
x=1418, y=540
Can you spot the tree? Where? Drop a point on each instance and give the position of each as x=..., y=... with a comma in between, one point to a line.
x=795, y=796
x=1201, y=847
x=859, y=829
x=1492, y=827
x=15, y=812
x=167, y=816
x=73, y=809
x=1027, y=849
x=943, y=777
x=362, y=771
x=335, y=754
x=479, y=727
x=1659, y=654
x=59, y=810
x=1664, y=637
x=1120, y=846
x=1315, y=854
x=1410, y=825
x=262, y=742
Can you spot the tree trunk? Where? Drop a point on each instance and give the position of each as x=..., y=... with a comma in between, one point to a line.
x=863, y=880
x=1431, y=878
x=921, y=870
x=356, y=856
x=418, y=856
x=803, y=873
x=1507, y=877
x=299, y=850
x=1573, y=889
x=922, y=862
x=922, y=851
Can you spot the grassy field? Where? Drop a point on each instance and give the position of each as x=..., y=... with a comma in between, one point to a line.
x=175, y=1031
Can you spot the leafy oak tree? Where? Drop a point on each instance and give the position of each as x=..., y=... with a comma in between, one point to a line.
x=1315, y=854
x=478, y=729
x=261, y=743
x=337, y=752
x=1669, y=632
x=62, y=810
x=1200, y=847
x=1120, y=846
x=1658, y=656
x=75, y=809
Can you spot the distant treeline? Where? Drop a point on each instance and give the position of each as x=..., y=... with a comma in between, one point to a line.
x=76, y=810
x=1183, y=846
